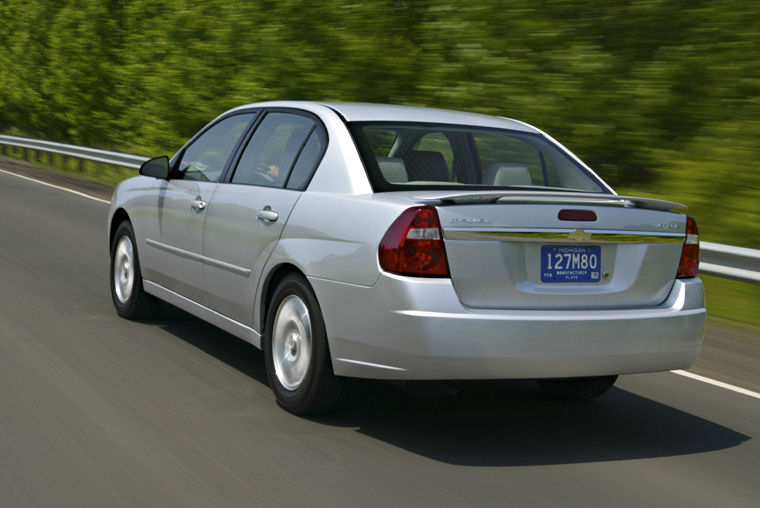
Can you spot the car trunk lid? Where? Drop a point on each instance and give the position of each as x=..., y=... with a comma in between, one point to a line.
x=511, y=250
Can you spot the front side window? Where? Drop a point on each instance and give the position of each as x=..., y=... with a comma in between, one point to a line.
x=272, y=151
x=406, y=156
x=207, y=156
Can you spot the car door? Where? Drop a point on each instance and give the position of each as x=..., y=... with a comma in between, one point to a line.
x=174, y=245
x=246, y=215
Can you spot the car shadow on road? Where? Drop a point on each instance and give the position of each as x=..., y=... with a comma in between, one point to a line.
x=513, y=423
x=223, y=346
x=493, y=423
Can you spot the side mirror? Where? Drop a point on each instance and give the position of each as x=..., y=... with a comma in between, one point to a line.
x=157, y=167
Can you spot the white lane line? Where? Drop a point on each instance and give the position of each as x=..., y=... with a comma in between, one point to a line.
x=721, y=384
x=82, y=194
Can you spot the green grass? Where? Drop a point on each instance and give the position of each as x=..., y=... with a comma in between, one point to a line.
x=732, y=300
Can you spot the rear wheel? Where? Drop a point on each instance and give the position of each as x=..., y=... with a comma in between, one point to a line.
x=577, y=388
x=127, y=293
x=296, y=353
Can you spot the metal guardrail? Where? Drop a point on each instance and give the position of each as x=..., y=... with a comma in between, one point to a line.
x=737, y=263
x=78, y=152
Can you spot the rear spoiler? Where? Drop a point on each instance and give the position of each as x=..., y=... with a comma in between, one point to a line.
x=563, y=198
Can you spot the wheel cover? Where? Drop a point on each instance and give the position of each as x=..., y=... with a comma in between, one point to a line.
x=291, y=342
x=124, y=269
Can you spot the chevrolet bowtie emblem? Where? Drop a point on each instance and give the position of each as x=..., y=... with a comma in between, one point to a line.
x=579, y=235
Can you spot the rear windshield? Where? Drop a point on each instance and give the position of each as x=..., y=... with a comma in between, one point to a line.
x=416, y=156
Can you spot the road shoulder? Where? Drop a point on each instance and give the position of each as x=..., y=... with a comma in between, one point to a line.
x=80, y=183
x=730, y=353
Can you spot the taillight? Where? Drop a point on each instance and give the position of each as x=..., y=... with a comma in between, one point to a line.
x=413, y=245
x=689, y=265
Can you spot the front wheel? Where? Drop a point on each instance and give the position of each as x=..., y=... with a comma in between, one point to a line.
x=127, y=293
x=577, y=388
x=296, y=353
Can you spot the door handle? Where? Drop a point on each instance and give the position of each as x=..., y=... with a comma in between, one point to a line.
x=267, y=214
x=198, y=204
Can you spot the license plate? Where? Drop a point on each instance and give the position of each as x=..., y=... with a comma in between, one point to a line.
x=571, y=263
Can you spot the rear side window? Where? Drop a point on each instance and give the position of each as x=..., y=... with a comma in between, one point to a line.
x=308, y=160
x=273, y=150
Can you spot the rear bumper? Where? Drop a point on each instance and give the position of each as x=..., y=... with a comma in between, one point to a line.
x=416, y=329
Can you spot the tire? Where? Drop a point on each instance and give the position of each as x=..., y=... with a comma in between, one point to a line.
x=127, y=292
x=296, y=352
x=577, y=388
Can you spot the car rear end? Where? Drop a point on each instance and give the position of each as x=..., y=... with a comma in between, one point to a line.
x=510, y=259
x=459, y=325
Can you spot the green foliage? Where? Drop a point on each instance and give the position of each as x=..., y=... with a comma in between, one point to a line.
x=732, y=300
x=661, y=97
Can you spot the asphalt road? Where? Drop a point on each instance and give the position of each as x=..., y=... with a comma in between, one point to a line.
x=99, y=411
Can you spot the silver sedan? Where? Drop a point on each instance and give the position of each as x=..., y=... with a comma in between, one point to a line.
x=389, y=242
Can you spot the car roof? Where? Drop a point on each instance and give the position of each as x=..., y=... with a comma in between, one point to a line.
x=368, y=112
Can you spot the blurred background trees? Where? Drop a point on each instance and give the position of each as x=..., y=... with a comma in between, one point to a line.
x=661, y=97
